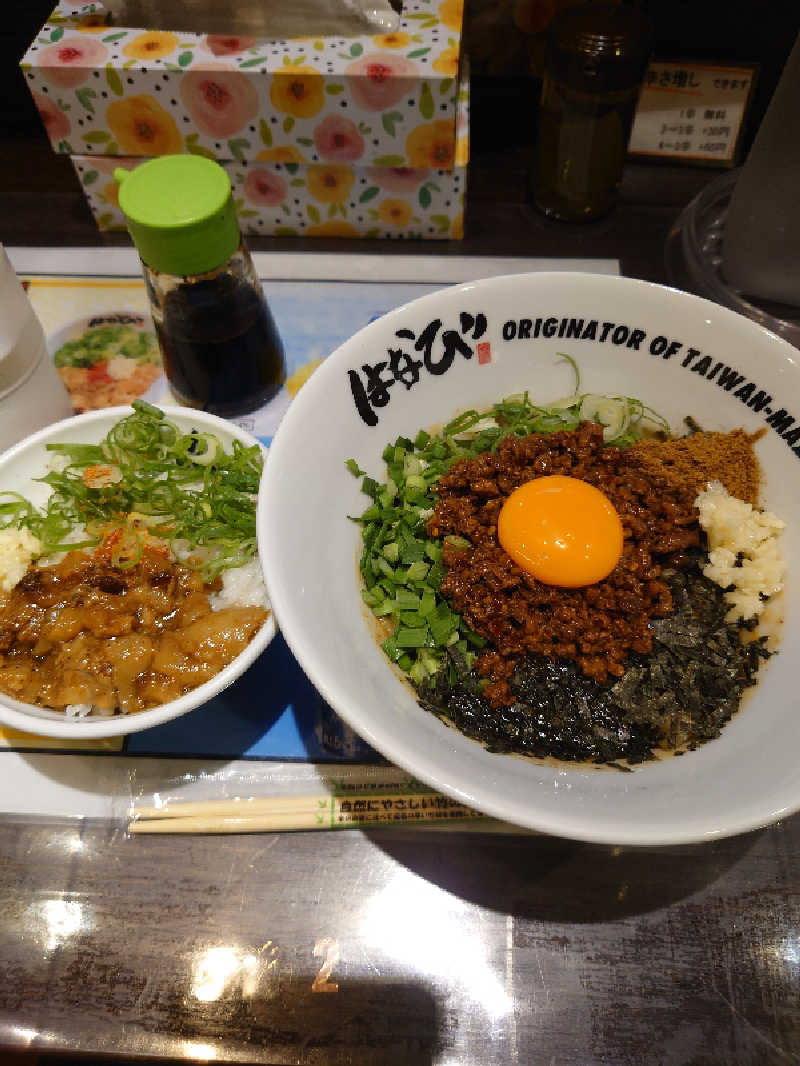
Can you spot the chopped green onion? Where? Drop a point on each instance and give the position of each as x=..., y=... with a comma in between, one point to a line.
x=184, y=488
x=401, y=564
x=405, y=637
x=354, y=468
x=417, y=571
x=391, y=551
x=406, y=600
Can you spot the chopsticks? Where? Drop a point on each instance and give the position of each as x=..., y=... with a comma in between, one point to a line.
x=288, y=813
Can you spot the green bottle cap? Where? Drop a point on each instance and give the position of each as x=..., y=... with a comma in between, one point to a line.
x=180, y=213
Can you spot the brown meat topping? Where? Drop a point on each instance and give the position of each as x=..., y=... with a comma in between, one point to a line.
x=86, y=632
x=596, y=625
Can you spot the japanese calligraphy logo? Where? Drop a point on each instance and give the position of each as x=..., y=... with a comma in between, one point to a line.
x=438, y=348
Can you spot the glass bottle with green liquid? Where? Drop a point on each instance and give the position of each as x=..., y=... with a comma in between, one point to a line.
x=594, y=63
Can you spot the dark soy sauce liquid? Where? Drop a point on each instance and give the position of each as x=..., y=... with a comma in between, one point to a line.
x=221, y=349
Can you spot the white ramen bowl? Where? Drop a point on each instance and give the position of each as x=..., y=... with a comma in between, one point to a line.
x=27, y=461
x=678, y=353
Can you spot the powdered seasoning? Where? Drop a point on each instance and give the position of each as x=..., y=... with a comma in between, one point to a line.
x=689, y=463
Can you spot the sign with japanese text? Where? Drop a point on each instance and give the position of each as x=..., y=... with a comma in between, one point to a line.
x=692, y=112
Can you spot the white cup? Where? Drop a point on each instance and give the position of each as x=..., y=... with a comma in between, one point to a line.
x=32, y=395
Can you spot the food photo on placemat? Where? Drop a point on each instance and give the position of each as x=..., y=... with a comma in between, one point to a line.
x=106, y=359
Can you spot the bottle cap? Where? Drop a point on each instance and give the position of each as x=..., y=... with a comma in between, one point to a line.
x=180, y=213
x=600, y=47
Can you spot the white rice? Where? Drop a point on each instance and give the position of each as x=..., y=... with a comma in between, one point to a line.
x=241, y=587
x=78, y=710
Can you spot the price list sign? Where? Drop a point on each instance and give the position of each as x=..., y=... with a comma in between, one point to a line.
x=692, y=112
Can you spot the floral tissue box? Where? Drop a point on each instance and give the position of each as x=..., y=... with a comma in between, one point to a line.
x=363, y=136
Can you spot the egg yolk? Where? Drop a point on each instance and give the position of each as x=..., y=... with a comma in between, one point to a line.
x=561, y=530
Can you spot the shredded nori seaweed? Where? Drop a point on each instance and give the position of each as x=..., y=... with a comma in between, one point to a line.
x=678, y=696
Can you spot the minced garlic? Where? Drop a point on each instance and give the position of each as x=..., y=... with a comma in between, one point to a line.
x=744, y=556
x=18, y=547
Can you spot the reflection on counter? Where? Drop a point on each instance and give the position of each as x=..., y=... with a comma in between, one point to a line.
x=422, y=929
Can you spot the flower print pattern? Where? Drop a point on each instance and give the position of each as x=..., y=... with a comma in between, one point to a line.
x=281, y=153
x=323, y=136
x=69, y=63
x=378, y=81
x=265, y=187
x=432, y=145
x=55, y=121
x=297, y=91
x=398, y=179
x=280, y=207
x=451, y=12
x=155, y=44
x=447, y=62
x=220, y=101
x=330, y=184
x=461, y=156
x=395, y=212
x=398, y=39
x=111, y=193
x=337, y=140
x=141, y=126
x=229, y=45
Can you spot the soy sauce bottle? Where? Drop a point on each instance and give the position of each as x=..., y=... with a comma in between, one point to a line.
x=219, y=344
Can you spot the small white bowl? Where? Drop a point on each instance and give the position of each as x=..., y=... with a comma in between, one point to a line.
x=679, y=354
x=28, y=460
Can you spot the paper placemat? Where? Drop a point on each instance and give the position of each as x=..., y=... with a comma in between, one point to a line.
x=271, y=725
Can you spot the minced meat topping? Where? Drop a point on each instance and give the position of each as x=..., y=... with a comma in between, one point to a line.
x=86, y=633
x=596, y=625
